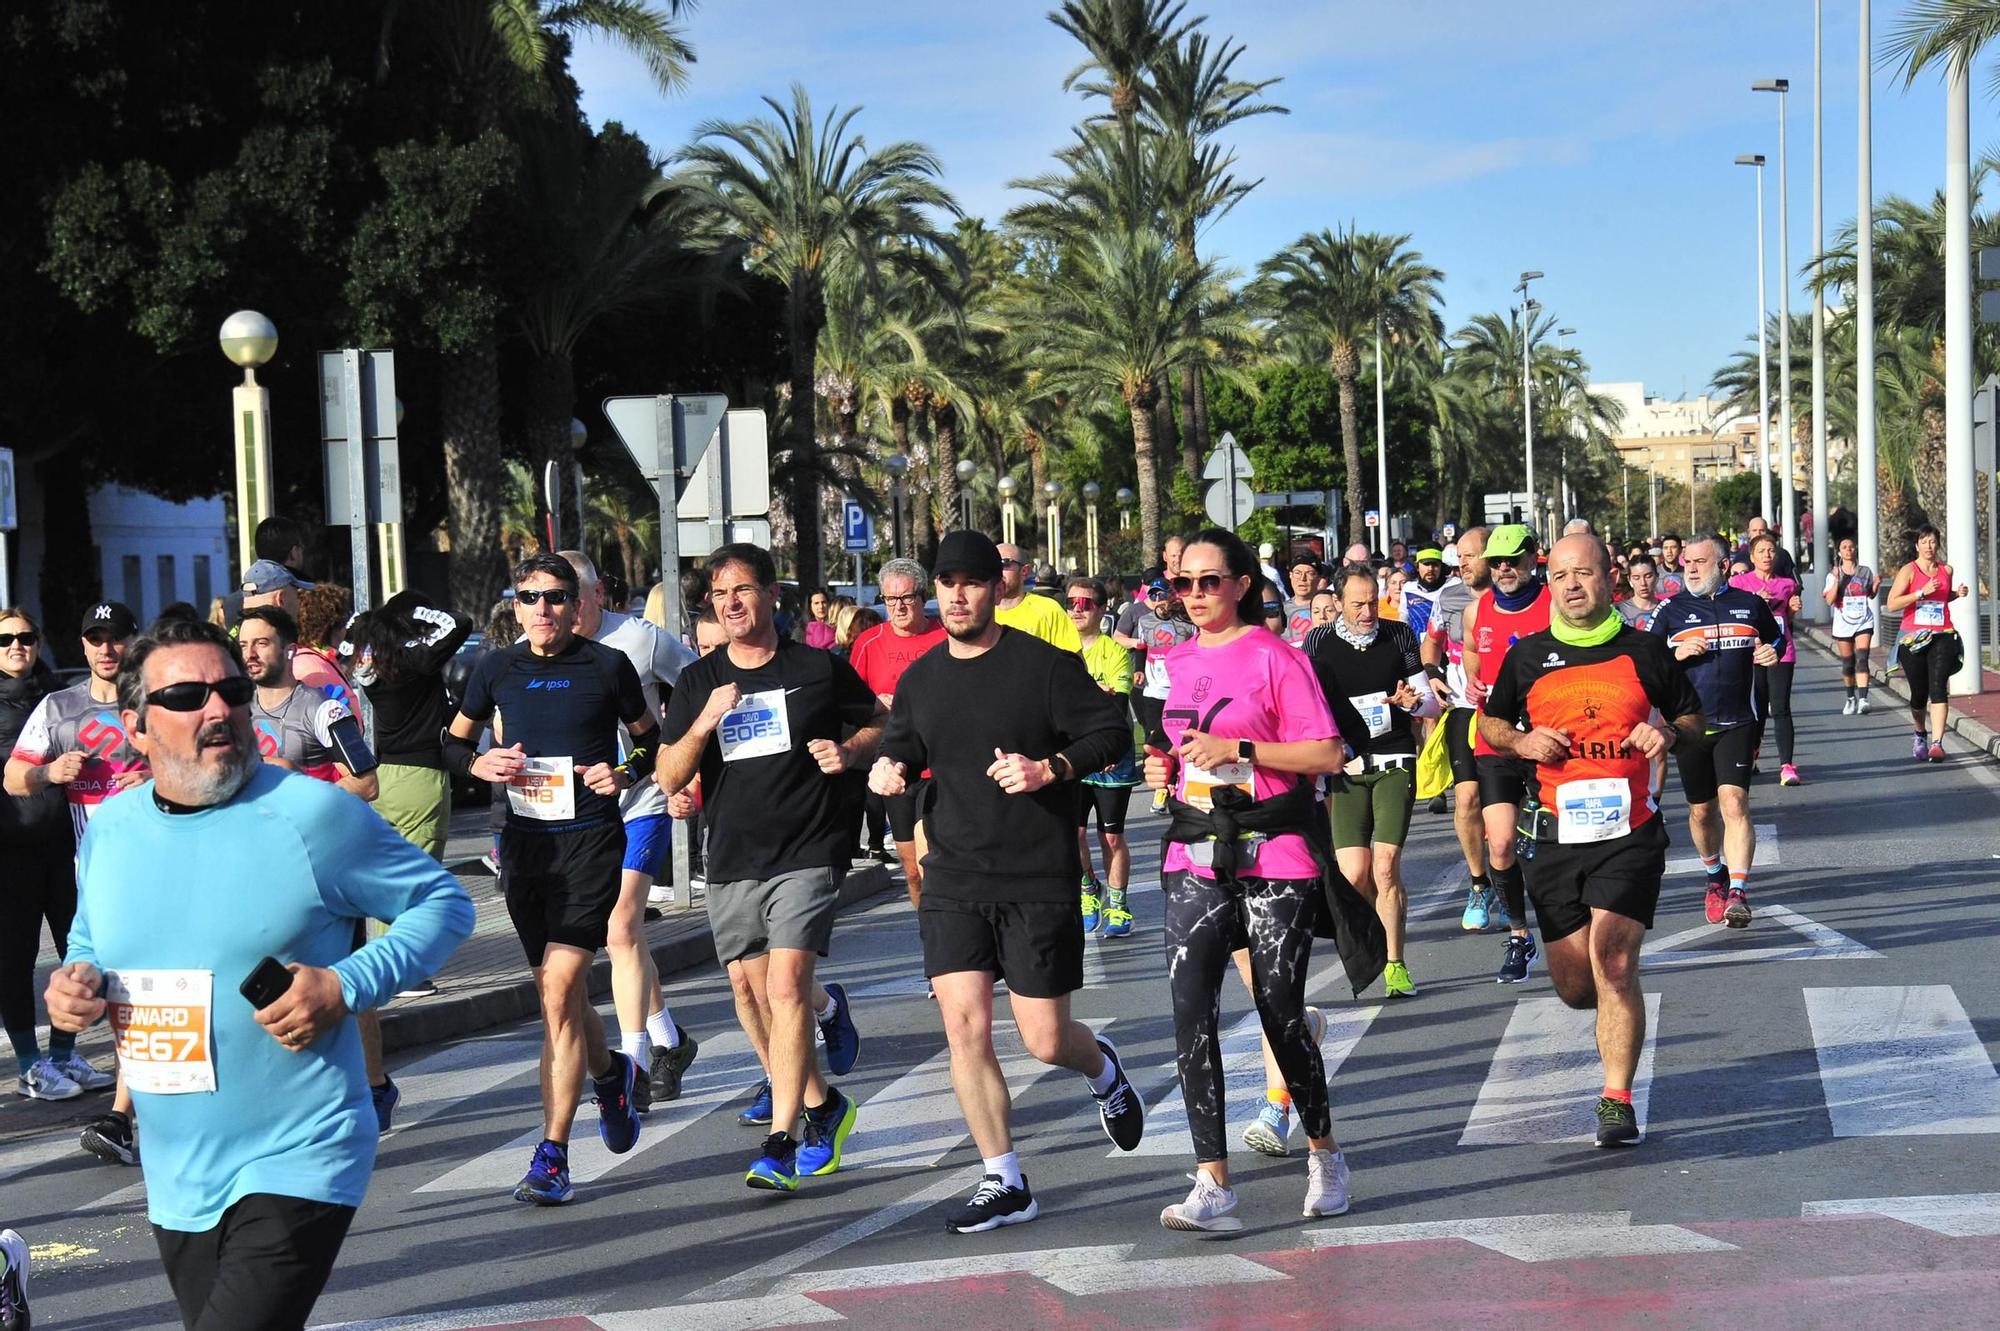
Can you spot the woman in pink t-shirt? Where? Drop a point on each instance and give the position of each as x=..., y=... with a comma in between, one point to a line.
x=1245, y=721
x=1774, y=682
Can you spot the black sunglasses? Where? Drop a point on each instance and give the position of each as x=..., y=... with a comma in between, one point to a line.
x=1013, y=563
x=192, y=696
x=27, y=639
x=554, y=596
x=1272, y=609
x=1208, y=583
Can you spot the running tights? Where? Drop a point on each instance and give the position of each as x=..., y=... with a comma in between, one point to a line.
x=1778, y=682
x=1206, y=921
x=41, y=885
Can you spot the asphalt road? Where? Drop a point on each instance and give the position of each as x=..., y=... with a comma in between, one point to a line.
x=1837, y=1054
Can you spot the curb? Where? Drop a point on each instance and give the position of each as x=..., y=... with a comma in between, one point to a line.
x=442, y=1019
x=1976, y=733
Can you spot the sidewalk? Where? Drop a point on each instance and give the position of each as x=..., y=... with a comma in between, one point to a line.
x=1974, y=718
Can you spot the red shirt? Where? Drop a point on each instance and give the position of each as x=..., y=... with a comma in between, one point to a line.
x=1495, y=631
x=881, y=655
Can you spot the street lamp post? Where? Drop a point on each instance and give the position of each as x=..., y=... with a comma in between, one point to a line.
x=1091, y=492
x=250, y=340
x=1125, y=499
x=1787, y=497
x=1763, y=345
x=1818, y=610
x=966, y=469
x=1006, y=487
x=1381, y=448
x=1053, y=493
x=392, y=553
x=1528, y=308
x=1563, y=489
x=1960, y=471
x=897, y=465
x=1866, y=536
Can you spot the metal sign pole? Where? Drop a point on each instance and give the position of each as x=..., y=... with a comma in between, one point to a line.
x=357, y=497
x=666, y=485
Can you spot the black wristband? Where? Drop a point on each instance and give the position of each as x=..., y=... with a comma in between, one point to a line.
x=459, y=755
x=1436, y=672
x=639, y=762
x=1062, y=773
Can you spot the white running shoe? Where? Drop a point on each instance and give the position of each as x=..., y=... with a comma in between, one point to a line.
x=1316, y=1022
x=660, y=895
x=1326, y=1183
x=1861, y=705
x=81, y=1071
x=45, y=1081
x=1208, y=1208
x=1847, y=708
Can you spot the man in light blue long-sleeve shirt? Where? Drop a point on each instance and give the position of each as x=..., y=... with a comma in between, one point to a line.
x=259, y=1132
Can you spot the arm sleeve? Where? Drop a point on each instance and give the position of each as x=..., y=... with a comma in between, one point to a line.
x=670, y=657
x=1089, y=721
x=690, y=695
x=443, y=634
x=478, y=700
x=366, y=870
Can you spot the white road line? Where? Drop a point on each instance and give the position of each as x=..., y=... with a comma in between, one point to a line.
x=902, y=986
x=1545, y=1076
x=1964, y=1216
x=915, y=1121
x=1161, y=1273
x=1816, y=942
x=1535, y=1238
x=1044, y=1262
x=734, y=1315
x=1901, y=1060
x=460, y=1071
x=1767, y=856
x=723, y=1072
x=453, y=1319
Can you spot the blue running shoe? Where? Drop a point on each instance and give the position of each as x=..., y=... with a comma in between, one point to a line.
x=1117, y=919
x=386, y=1096
x=1093, y=906
x=843, y=1042
x=777, y=1170
x=617, y=1116
x=1519, y=960
x=1270, y=1133
x=547, y=1181
x=826, y=1133
x=1478, y=908
x=759, y=1112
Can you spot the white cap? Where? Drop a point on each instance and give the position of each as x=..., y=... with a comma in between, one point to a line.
x=1451, y=556
x=1266, y=550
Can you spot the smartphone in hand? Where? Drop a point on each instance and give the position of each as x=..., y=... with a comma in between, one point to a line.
x=266, y=984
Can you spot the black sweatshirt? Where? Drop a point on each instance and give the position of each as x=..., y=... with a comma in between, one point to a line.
x=1020, y=696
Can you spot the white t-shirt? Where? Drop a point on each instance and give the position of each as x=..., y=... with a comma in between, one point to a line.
x=659, y=659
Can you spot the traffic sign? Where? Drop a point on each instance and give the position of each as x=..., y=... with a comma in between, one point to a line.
x=1291, y=498
x=857, y=528
x=696, y=539
x=380, y=472
x=1227, y=459
x=695, y=419
x=742, y=448
x=1373, y=517
x=1450, y=532
x=1227, y=507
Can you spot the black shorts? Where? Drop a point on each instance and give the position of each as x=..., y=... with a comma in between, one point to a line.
x=1035, y=946
x=1724, y=760
x=1502, y=780
x=1621, y=876
x=905, y=810
x=262, y=1264
x=1458, y=724
x=1110, y=803
x=562, y=886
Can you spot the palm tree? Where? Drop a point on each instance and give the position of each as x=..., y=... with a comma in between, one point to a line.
x=1933, y=32
x=802, y=199
x=613, y=518
x=1329, y=293
x=1122, y=37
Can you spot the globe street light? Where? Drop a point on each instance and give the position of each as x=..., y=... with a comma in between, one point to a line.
x=1006, y=487
x=1091, y=492
x=897, y=465
x=965, y=469
x=1125, y=499
x=1763, y=358
x=1563, y=490
x=250, y=340
x=1053, y=493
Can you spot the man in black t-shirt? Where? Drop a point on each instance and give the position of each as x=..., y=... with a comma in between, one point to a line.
x=1006, y=723
x=563, y=698
x=760, y=724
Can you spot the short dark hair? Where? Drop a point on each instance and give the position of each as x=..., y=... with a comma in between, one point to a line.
x=277, y=536
x=554, y=565
x=1639, y=558
x=753, y=557
x=1921, y=532
x=1347, y=573
x=275, y=616
x=1666, y=536
x=1241, y=561
x=1761, y=537
x=169, y=633
x=1091, y=585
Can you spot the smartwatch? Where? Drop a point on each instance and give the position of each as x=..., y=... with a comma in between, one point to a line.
x=1246, y=751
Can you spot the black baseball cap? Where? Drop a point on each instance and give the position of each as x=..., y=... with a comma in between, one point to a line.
x=968, y=552
x=109, y=615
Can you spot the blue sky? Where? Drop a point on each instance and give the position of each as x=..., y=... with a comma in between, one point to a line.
x=1593, y=141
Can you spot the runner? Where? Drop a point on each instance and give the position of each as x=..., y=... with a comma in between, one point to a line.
x=1774, y=683
x=1576, y=700
x=75, y=738
x=1163, y=627
x=1306, y=577
x=562, y=697
x=1002, y=868
x=1931, y=650
x=1718, y=633
x=1443, y=652
x=257, y=1143
x=1516, y=605
x=1022, y=609
x=1373, y=664
x=880, y=657
x=1671, y=578
x=760, y=722
x=1783, y=564
x=1109, y=790
x=1851, y=587
x=1325, y=607
x=1638, y=610
x=1247, y=726
x=297, y=727
x=1421, y=592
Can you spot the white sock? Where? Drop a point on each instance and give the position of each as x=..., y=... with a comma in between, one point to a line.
x=826, y=1013
x=1102, y=1083
x=661, y=1027
x=633, y=1045
x=1008, y=1167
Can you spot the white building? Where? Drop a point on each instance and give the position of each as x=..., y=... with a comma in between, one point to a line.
x=152, y=552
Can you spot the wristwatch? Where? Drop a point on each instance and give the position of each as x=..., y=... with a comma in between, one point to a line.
x=1246, y=751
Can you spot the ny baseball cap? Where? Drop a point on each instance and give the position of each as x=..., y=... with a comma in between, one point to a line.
x=1511, y=539
x=968, y=552
x=268, y=575
x=109, y=615
x=1157, y=587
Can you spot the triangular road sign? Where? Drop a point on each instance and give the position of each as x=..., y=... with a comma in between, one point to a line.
x=1217, y=466
x=1781, y=934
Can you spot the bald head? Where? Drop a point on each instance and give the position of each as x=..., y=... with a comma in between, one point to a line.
x=1472, y=568
x=1580, y=580
x=1012, y=564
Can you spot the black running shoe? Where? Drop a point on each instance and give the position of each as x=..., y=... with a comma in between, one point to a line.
x=994, y=1204
x=1617, y=1124
x=1123, y=1112
x=109, y=1137
x=670, y=1065
x=642, y=1090
x=14, y=1314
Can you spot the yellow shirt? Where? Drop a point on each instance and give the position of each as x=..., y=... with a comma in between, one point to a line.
x=1045, y=619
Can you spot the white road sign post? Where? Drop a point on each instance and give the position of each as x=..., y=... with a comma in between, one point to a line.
x=1229, y=501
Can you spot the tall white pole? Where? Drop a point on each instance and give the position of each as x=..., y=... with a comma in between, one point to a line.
x=1866, y=543
x=1960, y=474
x=1817, y=608
x=1763, y=361
x=1787, y=492
x=1381, y=449
x=1527, y=402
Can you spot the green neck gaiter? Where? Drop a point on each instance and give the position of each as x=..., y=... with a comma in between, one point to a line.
x=1605, y=630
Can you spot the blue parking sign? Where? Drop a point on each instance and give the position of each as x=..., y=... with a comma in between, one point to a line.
x=858, y=528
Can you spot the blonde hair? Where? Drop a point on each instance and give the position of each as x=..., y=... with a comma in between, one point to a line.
x=8, y=612
x=848, y=622
x=218, y=611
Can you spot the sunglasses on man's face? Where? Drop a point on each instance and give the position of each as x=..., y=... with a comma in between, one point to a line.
x=1082, y=603
x=555, y=596
x=1012, y=563
x=1273, y=610
x=1208, y=584
x=192, y=696
x=26, y=639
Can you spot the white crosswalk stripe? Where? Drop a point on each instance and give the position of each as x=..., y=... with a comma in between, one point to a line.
x=1901, y=1060
x=1545, y=1076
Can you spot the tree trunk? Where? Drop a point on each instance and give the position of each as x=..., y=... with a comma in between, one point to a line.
x=551, y=406
x=1165, y=430
x=628, y=558
x=1192, y=447
x=1198, y=419
x=944, y=459
x=1141, y=408
x=469, y=417
x=1346, y=370
x=804, y=318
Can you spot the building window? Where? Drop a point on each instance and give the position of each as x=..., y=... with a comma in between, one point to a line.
x=132, y=571
x=204, y=589
x=169, y=591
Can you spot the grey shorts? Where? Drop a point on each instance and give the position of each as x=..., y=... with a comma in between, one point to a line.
x=750, y=916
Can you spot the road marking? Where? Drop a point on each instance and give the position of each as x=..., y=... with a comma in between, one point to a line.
x=1535, y=1238
x=725, y=1071
x=1445, y=894
x=1965, y=1216
x=733, y=1315
x=1767, y=856
x=1161, y=1273
x=456, y=1319
x=1820, y=943
x=1543, y=1083
x=903, y=986
x=458, y=1072
x=1901, y=1060
x=915, y=1121
x=1167, y=1131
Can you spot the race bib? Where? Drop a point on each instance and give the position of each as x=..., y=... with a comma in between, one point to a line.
x=1929, y=615
x=757, y=727
x=1200, y=784
x=1374, y=709
x=545, y=790
x=1856, y=609
x=1157, y=683
x=160, y=1019
x=1588, y=811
